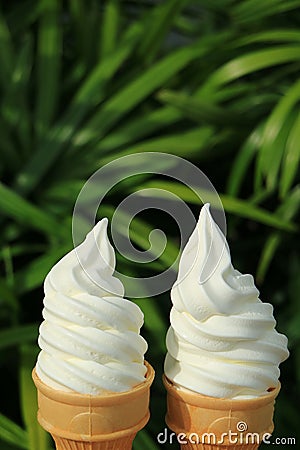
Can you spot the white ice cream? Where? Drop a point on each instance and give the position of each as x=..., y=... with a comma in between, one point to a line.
x=90, y=337
x=222, y=341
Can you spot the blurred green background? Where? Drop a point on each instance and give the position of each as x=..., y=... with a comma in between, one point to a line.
x=84, y=82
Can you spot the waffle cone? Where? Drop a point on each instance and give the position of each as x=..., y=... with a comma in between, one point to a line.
x=196, y=416
x=90, y=422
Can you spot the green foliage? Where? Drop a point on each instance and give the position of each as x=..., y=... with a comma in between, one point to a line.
x=12, y=433
x=38, y=439
x=85, y=82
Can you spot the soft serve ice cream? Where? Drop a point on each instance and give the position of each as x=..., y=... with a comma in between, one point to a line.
x=90, y=341
x=222, y=341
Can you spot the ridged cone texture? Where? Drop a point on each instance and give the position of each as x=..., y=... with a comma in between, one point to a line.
x=207, y=422
x=118, y=444
x=94, y=422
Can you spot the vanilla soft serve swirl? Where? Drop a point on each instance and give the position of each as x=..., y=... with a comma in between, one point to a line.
x=90, y=337
x=222, y=341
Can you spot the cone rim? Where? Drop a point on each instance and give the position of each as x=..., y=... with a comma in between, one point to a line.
x=103, y=399
x=198, y=399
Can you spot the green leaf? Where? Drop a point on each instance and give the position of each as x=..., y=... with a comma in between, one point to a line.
x=15, y=100
x=22, y=16
x=14, y=206
x=10, y=157
x=18, y=335
x=287, y=210
x=291, y=159
x=267, y=255
x=260, y=197
x=276, y=131
x=79, y=26
x=8, y=265
x=8, y=299
x=163, y=16
x=249, y=63
x=21, y=80
x=254, y=10
x=243, y=209
x=144, y=441
x=132, y=94
x=232, y=205
x=38, y=438
x=243, y=160
x=277, y=35
x=49, y=54
x=64, y=191
x=12, y=433
x=154, y=321
x=201, y=111
x=110, y=26
x=138, y=128
x=21, y=249
x=86, y=27
x=279, y=147
x=89, y=95
x=6, y=52
x=189, y=143
x=33, y=276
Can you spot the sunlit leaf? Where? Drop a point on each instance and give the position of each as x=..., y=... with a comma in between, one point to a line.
x=278, y=35
x=249, y=63
x=12, y=433
x=232, y=205
x=254, y=10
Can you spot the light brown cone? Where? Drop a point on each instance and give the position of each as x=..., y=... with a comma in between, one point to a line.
x=90, y=422
x=189, y=412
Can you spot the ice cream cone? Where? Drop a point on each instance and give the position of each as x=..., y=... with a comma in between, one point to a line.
x=210, y=423
x=89, y=422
